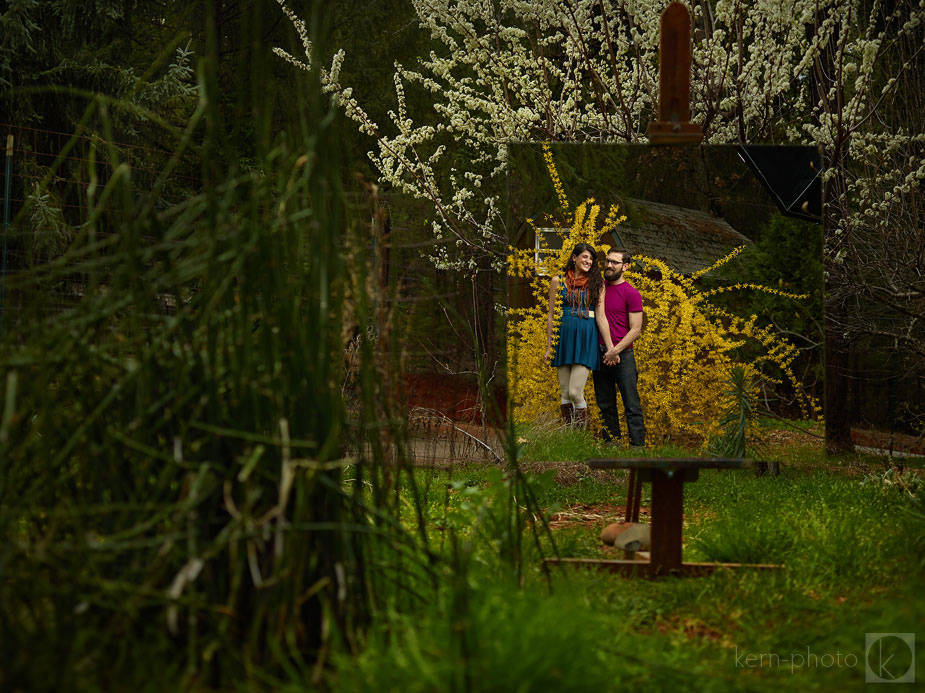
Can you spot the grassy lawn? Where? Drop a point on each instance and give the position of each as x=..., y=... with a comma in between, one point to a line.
x=848, y=532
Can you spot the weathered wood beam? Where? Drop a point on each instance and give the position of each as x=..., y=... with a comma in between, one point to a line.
x=674, y=80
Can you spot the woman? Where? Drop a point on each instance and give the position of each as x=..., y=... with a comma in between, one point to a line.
x=577, y=352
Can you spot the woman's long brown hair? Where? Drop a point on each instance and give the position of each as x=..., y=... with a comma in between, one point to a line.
x=595, y=278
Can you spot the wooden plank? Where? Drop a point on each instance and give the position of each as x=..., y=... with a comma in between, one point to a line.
x=703, y=569
x=626, y=568
x=629, y=568
x=674, y=64
x=670, y=463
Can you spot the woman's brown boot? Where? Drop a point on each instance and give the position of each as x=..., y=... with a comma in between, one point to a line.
x=568, y=413
x=581, y=418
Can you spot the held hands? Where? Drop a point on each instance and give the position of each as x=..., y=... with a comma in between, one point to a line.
x=612, y=357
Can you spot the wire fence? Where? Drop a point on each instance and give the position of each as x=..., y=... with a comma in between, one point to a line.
x=53, y=184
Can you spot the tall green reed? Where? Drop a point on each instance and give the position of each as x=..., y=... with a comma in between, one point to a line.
x=172, y=446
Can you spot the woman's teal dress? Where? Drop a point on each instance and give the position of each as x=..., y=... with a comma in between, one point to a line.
x=577, y=334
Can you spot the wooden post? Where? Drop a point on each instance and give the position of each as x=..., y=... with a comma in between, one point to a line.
x=674, y=80
x=667, y=520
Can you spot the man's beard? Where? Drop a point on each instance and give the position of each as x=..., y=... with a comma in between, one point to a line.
x=612, y=275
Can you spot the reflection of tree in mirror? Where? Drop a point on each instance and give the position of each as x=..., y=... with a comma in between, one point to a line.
x=689, y=345
x=787, y=256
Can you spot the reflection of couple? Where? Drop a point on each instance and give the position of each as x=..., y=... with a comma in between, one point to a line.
x=601, y=317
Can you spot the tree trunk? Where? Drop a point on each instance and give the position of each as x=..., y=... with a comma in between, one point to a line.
x=823, y=83
x=837, y=419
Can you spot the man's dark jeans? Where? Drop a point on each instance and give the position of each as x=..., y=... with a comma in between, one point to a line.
x=607, y=380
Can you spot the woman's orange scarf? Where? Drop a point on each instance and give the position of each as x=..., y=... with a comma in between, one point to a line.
x=576, y=290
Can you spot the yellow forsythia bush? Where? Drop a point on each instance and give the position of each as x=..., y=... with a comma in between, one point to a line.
x=686, y=350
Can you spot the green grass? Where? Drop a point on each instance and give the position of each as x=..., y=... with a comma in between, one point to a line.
x=850, y=545
x=553, y=442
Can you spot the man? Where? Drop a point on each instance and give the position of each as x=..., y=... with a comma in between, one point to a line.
x=623, y=307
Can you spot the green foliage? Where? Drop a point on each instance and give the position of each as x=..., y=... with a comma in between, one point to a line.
x=104, y=46
x=737, y=417
x=545, y=443
x=586, y=172
x=790, y=252
x=916, y=513
x=512, y=641
x=824, y=529
x=51, y=235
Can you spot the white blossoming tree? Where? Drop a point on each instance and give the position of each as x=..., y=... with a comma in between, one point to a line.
x=827, y=72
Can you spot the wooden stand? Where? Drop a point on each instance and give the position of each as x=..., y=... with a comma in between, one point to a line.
x=668, y=476
x=674, y=80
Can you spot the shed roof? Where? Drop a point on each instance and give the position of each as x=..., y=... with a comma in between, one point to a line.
x=688, y=240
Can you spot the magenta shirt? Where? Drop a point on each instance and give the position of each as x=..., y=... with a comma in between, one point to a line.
x=619, y=301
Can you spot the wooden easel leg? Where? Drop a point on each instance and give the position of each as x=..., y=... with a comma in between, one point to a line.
x=631, y=496
x=667, y=519
x=637, y=497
